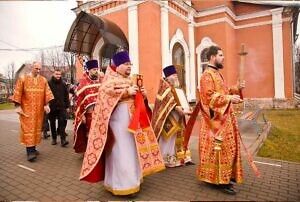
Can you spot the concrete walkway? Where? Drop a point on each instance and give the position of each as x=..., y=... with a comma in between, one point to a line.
x=54, y=176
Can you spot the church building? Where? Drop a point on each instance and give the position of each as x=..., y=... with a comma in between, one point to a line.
x=160, y=33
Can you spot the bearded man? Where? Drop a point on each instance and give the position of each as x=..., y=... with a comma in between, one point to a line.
x=86, y=96
x=168, y=121
x=219, y=142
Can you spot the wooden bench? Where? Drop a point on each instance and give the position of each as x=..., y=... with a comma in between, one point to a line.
x=249, y=119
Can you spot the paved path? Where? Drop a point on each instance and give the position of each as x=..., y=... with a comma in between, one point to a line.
x=54, y=177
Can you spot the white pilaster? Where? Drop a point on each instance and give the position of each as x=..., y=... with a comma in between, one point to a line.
x=278, y=53
x=165, y=52
x=192, y=69
x=133, y=37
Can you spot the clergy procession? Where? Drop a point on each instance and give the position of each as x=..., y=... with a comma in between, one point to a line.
x=165, y=100
x=122, y=137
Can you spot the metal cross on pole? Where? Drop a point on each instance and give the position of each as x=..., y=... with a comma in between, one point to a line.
x=242, y=54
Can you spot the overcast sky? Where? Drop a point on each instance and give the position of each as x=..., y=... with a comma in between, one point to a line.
x=32, y=24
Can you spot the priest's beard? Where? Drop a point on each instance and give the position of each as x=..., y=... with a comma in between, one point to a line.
x=94, y=76
x=219, y=65
x=175, y=83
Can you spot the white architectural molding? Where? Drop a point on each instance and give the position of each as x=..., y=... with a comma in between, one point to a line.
x=184, y=5
x=96, y=51
x=84, y=7
x=253, y=15
x=117, y=8
x=178, y=38
x=214, y=21
x=192, y=69
x=112, y=10
x=172, y=10
x=165, y=4
x=205, y=43
x=228, y=11
x=227, y=20
x=165, y=51
x=188, y=3
x=255, y=24
x=133, y=36
x=215, y=10
x=278, y=53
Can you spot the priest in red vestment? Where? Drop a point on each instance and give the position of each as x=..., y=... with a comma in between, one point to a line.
x=219, y=140
x=168, y=120
x=122, y=147
x=86, y=96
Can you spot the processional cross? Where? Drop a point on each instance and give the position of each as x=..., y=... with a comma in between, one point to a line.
x=242, y=54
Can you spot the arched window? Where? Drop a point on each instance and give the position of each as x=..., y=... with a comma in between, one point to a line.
x=204, y=60
x=179, y=62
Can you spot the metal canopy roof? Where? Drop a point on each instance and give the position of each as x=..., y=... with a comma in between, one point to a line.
x=87, y=29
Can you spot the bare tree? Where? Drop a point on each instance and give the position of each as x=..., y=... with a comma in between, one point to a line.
x=55, y=58
x=11, y=77
x=70, y=61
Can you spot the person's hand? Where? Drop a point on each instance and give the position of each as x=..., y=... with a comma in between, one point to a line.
x=179, y=109
x=47, y=109
x=235, y=99
x=20, y=111
x=83, y=119
x=144, y=91
x=241, y=84
x=188, y=112
x=101, y=75
x=132, y=89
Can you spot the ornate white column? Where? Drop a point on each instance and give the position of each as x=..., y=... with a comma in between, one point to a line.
x=165, y=52
x=278, y=53
x=133, y=36
x=192, y=67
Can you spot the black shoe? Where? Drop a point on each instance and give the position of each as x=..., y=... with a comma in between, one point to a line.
x=31, y=157
x=64, y=143
x=231, y=184
x=53, y=142
x=189, y=163
x=132, y=195
x=45, y=135
x=228, y=189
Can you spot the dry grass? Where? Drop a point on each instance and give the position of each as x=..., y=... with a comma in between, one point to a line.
x=283, y=141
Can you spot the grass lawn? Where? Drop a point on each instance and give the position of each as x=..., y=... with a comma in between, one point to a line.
x=283, y=141
x=6, y=105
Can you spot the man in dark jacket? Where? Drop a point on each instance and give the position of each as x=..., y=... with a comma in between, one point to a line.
x=59, y=107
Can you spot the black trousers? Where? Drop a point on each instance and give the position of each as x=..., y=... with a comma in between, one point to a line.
x=61, y=116
x=45, y=127
x=30, y=150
